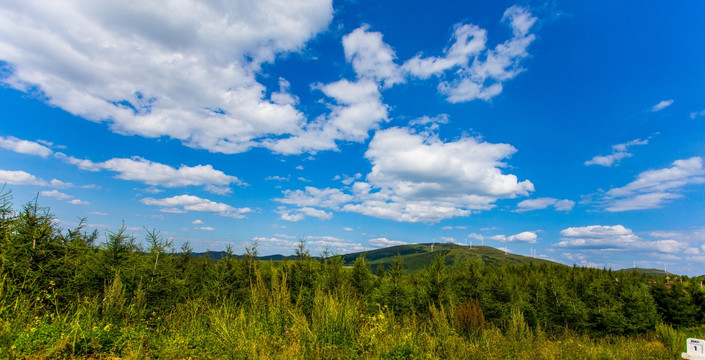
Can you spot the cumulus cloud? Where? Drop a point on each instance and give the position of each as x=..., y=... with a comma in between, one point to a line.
x=24, y=146
x=302, y=213
x=522, y=237
x=419, y=178
x=19, y=177
x=315, y=244
x=189, y=71
x=543, y=203
x=185, y=203
x=63, y=197
x=186, y=70
x=653, y=188
x=484, y=76
x=371, y=57
x=356, y=108
x=619, y=152
x=662, y=105
x=157, y=174
x=205, y=228
x=616, y=237
x=383, y=242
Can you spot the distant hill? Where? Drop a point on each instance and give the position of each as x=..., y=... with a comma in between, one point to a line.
x=417, y=256
x=217, y=255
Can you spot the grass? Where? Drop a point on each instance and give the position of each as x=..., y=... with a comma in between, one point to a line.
x=270, y=326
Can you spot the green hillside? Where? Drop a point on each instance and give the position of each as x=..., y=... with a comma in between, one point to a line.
x=417, y=256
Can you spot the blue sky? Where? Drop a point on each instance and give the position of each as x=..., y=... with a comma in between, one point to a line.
x=575, y=129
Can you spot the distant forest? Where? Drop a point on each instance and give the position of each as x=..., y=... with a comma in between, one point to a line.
x=66, y=294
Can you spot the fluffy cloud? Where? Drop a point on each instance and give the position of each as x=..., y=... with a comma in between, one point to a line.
x=522, y=237
x=653, y=188
x=419, y=178
x=357, y=108
x=63, y=197
x=24, y=146
x=185, y=203
x=371, y=57
x=384, y=242
x=153, y=173
x=302, y=213
x=543, y=203
x=478, y=72
x=315, y=244
x=189, y=70
x=484, y=77
x=186, y=70
x=19, y=177
x=619, y=152
x=617, y=237
x=662, y=105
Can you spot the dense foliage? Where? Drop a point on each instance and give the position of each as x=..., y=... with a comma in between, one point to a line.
x=63, y=294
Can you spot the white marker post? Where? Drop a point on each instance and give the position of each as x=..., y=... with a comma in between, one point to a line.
x=696, y=349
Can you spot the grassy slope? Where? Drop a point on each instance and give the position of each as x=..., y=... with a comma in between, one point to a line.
x=417, y=256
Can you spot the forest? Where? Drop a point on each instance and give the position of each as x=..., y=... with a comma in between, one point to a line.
x=76, y=293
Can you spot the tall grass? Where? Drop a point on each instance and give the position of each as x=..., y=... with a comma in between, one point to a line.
x=268, y=325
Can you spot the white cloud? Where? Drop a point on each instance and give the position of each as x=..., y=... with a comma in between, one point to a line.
x=653, y=188
x=348, y=229
x=523, y=237
x=383, y=242
x=425, y=120
x=300, y=214
x=419, y=178
x=24, y=146
x=157, y=174
x=197, y=222
x=543, y=203
x=186, y=70
x=185, y=203
x=468, y=41
x=697, y=114
x=347, y=180
x=483, y=78
x=357, y=109
x=205, y=228
x=19, y=177
x=277, y=178
x=315, y=244
x=616, y=237
x=619, y=152
x=63, y=197
x=56, y=195
x=78, y=202
x=662, y=105
x=371, y=57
